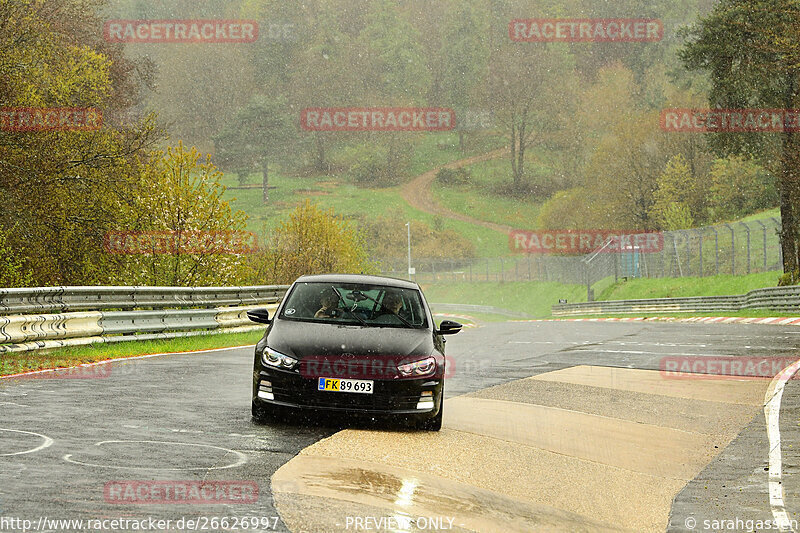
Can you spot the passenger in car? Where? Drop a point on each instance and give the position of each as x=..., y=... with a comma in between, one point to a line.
x=329, y=302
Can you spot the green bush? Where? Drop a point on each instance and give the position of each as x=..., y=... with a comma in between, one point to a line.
x=740, y=187
x=372, y=165
x=530, y=186
x=453, y=176
x=13, y=272
x=789, y=278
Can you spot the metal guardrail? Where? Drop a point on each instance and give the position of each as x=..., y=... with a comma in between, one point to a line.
x=779, y=298
x=61, y=299
x=480, y=309
x=82, y=314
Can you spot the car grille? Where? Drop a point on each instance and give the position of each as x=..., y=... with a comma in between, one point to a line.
x=305, y=393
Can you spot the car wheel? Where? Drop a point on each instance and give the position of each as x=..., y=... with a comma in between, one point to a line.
x=262, y=414
x=435, y=423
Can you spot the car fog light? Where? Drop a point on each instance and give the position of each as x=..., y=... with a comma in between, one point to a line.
x=425, y=404
x=265, y=391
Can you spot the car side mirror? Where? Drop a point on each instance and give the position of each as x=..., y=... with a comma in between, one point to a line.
x=448, y=327
x=259, y=315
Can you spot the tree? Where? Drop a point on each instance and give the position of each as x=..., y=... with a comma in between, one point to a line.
x=392, y=71
x=464, y=57
x=624, y=169
x=739, y=187
x=195, y=105
x=388, y=238
x=391, y=60
x=180, y=192
x=262, y=132
x=679, y=199
x=311, y=241
x=751, y=50
x=320, y=78
x=571, y=209
x=63, y=190
x=12, y=268
x=529, y=88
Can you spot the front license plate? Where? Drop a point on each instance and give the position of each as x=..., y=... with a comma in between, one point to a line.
x=360, y=386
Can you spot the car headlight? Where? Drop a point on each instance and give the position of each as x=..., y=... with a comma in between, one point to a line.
x=420, y=368
x=272, y=358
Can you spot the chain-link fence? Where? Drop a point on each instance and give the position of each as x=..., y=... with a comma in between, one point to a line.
x=739, y=248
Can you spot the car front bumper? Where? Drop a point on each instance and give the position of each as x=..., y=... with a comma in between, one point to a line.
x=389, y=397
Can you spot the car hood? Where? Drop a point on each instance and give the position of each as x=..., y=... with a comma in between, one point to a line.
x=304, y=339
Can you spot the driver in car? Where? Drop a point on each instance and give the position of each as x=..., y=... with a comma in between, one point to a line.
x=392, y=303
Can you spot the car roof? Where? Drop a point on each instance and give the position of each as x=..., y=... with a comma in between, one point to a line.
x=358, y=278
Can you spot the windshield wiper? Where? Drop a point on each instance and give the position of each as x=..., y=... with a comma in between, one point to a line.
x=341, y=299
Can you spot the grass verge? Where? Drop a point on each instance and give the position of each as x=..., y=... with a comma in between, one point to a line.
x=15, y=363
x=532, y=297
x=720, y=285
x=536, y=298
x=749, y=313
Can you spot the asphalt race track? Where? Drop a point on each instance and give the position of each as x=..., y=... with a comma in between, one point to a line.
x=537, y=435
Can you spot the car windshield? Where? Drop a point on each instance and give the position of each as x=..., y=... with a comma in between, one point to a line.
x=355, y=304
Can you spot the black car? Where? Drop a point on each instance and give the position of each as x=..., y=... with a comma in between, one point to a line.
x=355, y=344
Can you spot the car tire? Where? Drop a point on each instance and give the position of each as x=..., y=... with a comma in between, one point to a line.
x=435, y=423
x=262, y=414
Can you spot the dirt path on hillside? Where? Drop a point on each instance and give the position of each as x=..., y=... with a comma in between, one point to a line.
x=419, y=195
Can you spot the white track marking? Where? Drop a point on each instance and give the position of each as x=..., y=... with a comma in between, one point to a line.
x=641, y=352
x=241, y=458
x=47, y=442
x=772, y=407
